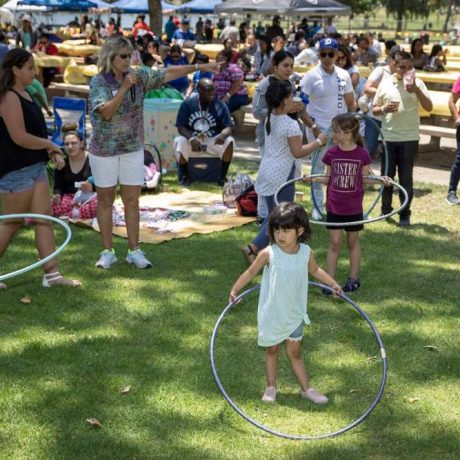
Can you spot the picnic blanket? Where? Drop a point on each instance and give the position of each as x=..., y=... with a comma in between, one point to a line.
x=167, y=216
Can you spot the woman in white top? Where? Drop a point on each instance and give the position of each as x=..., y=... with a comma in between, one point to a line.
x=283, y=146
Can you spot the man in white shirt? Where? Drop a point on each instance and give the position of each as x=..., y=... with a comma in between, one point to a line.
x=231, y=31
x=330, y=93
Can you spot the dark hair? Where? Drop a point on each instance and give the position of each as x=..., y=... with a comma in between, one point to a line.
x=412, y=46
x=70, y=129
x=399, y=56
x=280, y=56
x=277, y=92
x=435, y=50
x=227, y=54
x=202, y=58
x=175, y=49
x=268, y=42
x=289, y=215
x=14, y=58
x=147, y=59
x=226, y=40
x=346, y=52
x=348, y=123
x=389, y=44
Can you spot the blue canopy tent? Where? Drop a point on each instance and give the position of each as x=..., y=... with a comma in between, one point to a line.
x=198, y=6
x=64, y=5
x=138, y=6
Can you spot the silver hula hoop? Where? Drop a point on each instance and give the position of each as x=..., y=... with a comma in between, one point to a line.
x=292, y=436
x=317, y=152
x=47, y=258
x=348, y=224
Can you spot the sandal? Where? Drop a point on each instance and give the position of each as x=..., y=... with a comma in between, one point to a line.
x=249, y=254
x=56, y=279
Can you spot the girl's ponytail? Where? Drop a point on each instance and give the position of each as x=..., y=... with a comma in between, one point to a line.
x=277, y=92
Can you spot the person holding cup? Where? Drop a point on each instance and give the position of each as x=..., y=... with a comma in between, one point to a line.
x=397, y=101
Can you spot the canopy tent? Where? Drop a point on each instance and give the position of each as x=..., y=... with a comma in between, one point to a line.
x=13, y=5
x=139, y=6
x=285, y=7
x=66, y=5
x=198, y=6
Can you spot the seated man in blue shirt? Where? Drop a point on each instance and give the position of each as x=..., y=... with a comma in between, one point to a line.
x=204, y=124
x=183, y=33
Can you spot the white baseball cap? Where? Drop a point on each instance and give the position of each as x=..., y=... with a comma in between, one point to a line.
x=27, y=18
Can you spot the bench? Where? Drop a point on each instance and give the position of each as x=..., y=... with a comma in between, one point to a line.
x=436, y=133
x=70, y=89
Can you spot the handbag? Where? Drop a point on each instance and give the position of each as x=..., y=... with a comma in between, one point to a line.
x=246, y=202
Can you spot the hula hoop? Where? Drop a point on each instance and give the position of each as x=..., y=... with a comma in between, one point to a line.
x=317, y=152
x=358, y=222
x=285, y=435
x=45, y=259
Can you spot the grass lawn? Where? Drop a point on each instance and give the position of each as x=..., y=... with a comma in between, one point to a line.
x=66, y=356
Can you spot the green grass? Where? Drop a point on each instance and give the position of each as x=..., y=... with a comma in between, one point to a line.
x=66, y=356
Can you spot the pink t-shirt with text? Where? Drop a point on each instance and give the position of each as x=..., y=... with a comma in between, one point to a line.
x=345, y=187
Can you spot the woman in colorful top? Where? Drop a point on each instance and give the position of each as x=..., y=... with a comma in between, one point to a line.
x=283, y=147
x=116, y=148
x=76, y=170
x=283, y=298
x=24, y=149
x=347, y=167
x=229, y=84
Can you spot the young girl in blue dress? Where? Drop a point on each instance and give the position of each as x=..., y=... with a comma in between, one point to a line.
x=282, y=310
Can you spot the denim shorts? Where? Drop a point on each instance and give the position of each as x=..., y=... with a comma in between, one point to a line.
x=297, y=334
x=23, y=179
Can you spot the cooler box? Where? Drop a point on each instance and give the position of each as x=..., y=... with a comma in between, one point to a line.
x=160, y=127
x=204, y=169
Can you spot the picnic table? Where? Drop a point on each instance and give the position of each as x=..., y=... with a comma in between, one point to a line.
x=211, y=49
x=70, y=48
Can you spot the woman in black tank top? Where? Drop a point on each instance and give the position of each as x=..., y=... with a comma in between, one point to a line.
x=24, y=148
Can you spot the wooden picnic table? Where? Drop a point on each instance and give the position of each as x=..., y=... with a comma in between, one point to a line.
x=211, y=49
x=72, y=49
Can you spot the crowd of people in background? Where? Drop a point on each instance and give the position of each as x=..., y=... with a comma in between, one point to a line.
x=267, y=55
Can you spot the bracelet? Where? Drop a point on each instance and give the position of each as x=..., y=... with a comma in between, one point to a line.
x=228, y=95
x=197, y=66
x=318, y=141
x=314, y=126
x=383, y=108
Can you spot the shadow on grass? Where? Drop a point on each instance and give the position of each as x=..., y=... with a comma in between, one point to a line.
x=70, y=352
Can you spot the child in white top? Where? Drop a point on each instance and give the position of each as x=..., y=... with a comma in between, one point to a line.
x=282, y=307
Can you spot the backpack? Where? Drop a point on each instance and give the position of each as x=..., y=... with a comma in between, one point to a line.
x=246, y=202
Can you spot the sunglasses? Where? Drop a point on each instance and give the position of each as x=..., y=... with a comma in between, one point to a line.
x=125, y=56
x=330, y=54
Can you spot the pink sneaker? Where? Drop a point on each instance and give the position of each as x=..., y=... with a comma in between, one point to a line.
x=314, y=396
x=269, y=395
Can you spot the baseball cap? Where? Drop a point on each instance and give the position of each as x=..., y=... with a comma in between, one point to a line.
x=27, y=18
x=328, y=43
x=185, y=21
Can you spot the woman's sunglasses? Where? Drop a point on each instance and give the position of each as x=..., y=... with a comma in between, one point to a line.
x=125, y=56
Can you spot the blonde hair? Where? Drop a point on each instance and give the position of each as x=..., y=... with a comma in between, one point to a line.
x=111, y=47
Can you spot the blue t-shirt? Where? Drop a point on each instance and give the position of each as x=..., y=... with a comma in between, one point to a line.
x=181, y=83
x=181, y=35
x=203, y=120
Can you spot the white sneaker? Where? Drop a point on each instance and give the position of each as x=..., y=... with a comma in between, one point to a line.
x=314, y=396
x=137, y=258
x=107, y=259
x=269, y=395
x=315, y=215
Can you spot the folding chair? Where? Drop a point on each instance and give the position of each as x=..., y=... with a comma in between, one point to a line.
x=68, y=111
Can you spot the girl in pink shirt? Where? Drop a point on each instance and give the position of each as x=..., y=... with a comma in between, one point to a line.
x=347, y=167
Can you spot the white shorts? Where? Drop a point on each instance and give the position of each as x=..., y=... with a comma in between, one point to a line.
x=182, y=146
x=126, y=169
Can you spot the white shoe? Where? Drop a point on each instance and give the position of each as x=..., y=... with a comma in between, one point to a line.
x=269, y=395
x=107, y=259
x=137, y=258
x=314, y=396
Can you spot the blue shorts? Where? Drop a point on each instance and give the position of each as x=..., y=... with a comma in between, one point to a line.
x=23, y=179
x=297, y=334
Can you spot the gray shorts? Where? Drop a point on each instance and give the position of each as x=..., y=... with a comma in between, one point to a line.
x=23, y=179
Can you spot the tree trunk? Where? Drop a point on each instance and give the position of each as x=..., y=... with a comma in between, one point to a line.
x=156, y=18
x=448, y=14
